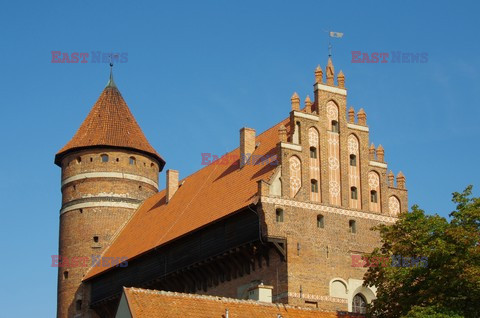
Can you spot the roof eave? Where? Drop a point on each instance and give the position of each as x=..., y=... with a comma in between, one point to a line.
x=60, y=155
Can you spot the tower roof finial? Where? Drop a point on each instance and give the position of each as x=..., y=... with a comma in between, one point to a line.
x=111, y=83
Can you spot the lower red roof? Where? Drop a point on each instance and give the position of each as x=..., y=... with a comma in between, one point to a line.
x=151, y=303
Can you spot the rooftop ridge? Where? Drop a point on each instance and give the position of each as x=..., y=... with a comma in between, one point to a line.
x=226, y=153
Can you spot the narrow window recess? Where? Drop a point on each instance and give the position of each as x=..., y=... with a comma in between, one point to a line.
x=320, y=221
x=353, y=160
x=352, y=224
x=279, y=215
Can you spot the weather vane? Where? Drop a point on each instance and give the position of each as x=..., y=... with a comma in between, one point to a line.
x=332, y=34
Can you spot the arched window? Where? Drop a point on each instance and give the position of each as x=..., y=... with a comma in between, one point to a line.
x=104, y=158
x=313, y=152
x=335, y=127
x=353, y=160
x=373, y=196
x=352, y=225
x=314, y=185
x=353, y=193
x=279, y=215
x=359, y=304
x=320, y=221
x=132, y=160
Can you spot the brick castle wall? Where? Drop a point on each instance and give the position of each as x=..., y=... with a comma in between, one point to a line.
x=97, y=200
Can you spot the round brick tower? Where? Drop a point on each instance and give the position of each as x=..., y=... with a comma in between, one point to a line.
x=108, y=169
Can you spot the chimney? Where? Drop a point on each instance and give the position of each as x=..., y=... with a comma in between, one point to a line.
x=261, y=293
x=247, y=145
x=172, y=183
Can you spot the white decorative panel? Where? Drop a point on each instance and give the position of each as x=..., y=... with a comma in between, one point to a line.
x=393, y=205
x=295, y=175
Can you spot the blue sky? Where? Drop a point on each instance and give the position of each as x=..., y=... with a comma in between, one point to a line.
x=198, y=71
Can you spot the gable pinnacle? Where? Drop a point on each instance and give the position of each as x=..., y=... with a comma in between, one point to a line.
x=318, y=74
x=295, y=101
x=330, y=70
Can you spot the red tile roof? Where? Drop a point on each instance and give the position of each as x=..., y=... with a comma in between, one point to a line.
x=209, y=194
x=146, y=303
x=110, y=123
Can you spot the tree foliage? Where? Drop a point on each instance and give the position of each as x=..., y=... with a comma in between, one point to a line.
x=450, y=283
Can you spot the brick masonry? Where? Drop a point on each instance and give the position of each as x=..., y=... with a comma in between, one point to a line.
x=316, y=256
x=78, y=227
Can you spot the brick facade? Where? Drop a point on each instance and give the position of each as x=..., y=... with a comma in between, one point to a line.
x=319, y=256
x=328, y=203
x=98, y=198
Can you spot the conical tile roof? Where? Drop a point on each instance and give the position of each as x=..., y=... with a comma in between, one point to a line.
x=110, y=124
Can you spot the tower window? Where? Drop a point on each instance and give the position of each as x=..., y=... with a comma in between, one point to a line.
x=352, y=225
x=104, y=158
x=152, y=165
x=314, y=186
x=313, y=152
x=91, y=159
x=353, y=160
x=279, y=215
x=132, y=161
x=335, y=127
x=373, y=196
x=95, y=239
x=320, y=221
x=117, y=160
x=65, y=275
x=353, y=193
x=78, y=305
x=79, y=159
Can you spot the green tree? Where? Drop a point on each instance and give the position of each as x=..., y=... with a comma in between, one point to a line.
x=449, y=284
x=431, y=312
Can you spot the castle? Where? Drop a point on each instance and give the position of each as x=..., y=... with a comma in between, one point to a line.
x=280, y=231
